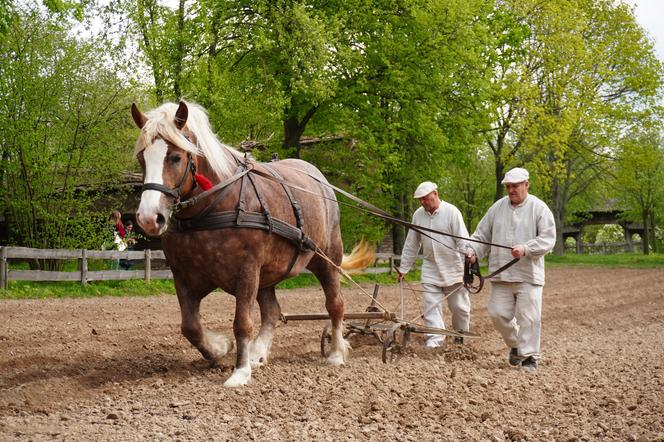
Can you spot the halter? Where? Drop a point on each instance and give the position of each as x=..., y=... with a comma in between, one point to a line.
x=175, y=192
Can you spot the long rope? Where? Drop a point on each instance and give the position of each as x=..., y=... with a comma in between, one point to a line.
x=370, y=208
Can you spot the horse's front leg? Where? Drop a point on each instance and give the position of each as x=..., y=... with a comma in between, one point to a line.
x=212, y=345
x=243, y=328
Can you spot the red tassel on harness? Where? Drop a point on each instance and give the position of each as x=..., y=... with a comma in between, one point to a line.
x=203, y=181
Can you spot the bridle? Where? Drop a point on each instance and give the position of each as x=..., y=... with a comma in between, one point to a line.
x=176, y=192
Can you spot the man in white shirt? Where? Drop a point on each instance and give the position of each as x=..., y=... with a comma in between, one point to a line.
x=525, y=223
x=442, y=269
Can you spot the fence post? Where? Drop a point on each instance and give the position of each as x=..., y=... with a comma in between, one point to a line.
x=84, y=267
x=148, y=264
x=3, y=268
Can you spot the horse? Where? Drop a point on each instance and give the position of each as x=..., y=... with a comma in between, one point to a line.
x=229, y=222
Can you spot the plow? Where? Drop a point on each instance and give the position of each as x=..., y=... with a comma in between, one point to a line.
x=391, y=330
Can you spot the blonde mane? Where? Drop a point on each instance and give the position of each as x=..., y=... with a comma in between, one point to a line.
x=161, y=124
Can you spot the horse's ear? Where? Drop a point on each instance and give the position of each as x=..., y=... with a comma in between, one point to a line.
x=181, y=115
x=138, y=116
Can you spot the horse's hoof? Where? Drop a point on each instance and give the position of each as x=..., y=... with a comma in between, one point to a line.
x=219, y=344
x=336, y=359
x=239, y=378
x=258, y=362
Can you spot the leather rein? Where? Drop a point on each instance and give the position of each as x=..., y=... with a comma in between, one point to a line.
x=207, y=219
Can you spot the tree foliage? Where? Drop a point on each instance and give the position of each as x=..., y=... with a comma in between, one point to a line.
x=379, y=95
x=61, y=133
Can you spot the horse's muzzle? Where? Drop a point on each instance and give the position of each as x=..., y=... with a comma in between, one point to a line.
x=153, y=224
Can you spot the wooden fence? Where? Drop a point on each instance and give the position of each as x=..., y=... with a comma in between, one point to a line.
x=84, y=275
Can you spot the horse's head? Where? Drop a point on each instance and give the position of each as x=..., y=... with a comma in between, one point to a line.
x=167, y=151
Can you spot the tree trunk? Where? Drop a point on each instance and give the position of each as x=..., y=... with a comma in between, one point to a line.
x=653, y=233
x=499, y=168
x=646, y=232
x=399, y=231
x=179, y=46
x=558, y=201
x=292, y=134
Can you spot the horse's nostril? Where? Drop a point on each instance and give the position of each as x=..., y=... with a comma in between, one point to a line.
x=160, y=220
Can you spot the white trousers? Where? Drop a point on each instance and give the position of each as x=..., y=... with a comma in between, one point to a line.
x=458, y=303
x=516, y=311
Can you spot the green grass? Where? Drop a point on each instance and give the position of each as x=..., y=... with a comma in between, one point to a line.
x=624, y=260
x=70, y=289
x=39, y=290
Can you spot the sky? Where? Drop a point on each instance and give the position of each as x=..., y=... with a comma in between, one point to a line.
x=650, y=15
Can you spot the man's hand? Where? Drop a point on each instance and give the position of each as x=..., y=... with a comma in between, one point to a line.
x=400, y=276
x=518, y=252
x=470, y=254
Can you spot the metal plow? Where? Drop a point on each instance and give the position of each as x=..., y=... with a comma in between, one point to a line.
x=392, y=332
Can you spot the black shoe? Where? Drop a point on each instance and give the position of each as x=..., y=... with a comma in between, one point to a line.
x=529, y=364
x=514, y=357
x=458, y=340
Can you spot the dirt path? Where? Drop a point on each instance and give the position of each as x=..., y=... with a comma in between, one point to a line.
x=118, y=369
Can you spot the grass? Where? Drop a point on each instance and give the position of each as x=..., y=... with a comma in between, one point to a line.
x=623, y=260
x=41, y=290
x=71, y=289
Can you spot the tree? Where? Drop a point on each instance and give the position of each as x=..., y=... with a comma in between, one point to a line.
x=591, y=69
x=639, y=177
x=63, y=115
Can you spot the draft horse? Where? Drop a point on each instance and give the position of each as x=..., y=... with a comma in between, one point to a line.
x=232, y=223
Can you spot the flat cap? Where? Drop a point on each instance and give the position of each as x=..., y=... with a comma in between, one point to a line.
x=516, y=175
x=424, y=189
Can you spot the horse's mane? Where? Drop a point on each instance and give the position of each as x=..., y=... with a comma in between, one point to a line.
x=161, y=123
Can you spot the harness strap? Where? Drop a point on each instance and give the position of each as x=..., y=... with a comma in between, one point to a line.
x=161, y=188
x=297, y=210
x=261, y=201
x=216, y=188
x=252, y=220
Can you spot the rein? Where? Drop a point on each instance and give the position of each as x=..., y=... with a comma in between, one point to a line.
x=470, y=270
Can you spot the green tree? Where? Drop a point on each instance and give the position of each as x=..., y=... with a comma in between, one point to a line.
x=639, y=177
x=62, y=133
x=590, y=69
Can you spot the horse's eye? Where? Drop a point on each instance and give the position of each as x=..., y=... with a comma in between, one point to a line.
x=175, y=158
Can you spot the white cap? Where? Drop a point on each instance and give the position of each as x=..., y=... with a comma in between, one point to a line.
x=516, y=175
x=424, y=189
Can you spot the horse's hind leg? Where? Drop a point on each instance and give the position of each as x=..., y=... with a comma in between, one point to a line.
x=334, y=303
x=212, y=345
x=270, y=311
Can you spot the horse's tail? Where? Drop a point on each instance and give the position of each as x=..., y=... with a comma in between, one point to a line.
x=361, y=257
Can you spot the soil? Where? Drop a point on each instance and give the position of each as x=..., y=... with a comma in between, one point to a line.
x=119, y=369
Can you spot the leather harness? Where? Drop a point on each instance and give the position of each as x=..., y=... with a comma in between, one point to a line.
x=206, y=219
x=241, y=218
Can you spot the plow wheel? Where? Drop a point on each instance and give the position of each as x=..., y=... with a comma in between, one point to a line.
x=394, y=343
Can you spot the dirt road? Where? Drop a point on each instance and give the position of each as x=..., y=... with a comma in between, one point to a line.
x=118, y=369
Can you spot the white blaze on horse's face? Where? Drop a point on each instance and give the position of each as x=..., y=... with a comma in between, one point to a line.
x=154, y=210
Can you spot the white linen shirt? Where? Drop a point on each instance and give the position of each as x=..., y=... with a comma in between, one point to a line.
x=442, y=265
x=530, y=224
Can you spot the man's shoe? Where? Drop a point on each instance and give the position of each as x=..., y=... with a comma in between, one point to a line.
x=458, y=340
x=529, y=364
x=514, y=357
x=432, y=344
